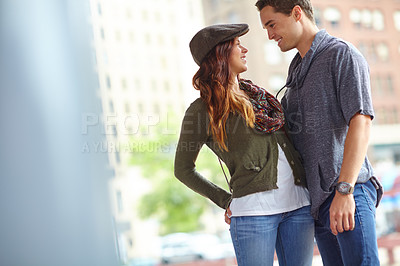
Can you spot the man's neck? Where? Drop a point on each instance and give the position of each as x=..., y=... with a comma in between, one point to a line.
x=308, y=35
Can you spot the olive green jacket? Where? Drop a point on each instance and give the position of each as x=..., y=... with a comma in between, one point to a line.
x=252, y=156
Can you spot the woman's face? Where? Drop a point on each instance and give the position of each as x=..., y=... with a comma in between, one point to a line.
x=237, y=58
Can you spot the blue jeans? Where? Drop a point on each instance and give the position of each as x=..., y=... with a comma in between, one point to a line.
x=357, y=247
x=255, y=238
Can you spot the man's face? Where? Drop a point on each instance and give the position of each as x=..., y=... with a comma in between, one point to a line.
x=281, y=28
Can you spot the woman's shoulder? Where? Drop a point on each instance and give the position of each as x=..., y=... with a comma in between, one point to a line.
x=196, y=116
x=197, y=105
x=197, y=110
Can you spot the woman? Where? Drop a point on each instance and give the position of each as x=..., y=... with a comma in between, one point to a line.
x=268, y=206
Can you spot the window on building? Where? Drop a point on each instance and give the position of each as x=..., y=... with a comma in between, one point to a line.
x=332, y=15
x=145, y=15
x=366, y=18
x=128, y=129
x=389, y=83
x=154, y=85
x=99, y=9
x=114, y=131
x=172, y=19
x=120, y=205
x=395, y=115
x=157, y=16
x=393, y=112
x=111, y=106
x=377, y=117
x=355, y=17
x=118, y=35
x=102, y=35
x=372, y=53
x=163, y=62
x=156, y=108
x=131, y=36
x=376, y=84
x=382, y=50
x=124, y=85
x=94, y=57
x=180, y=87
x=167, y=87
x=363, y=49
x=396, y=18
x=375, y=52
x=140, y=108
x=128, y=13
x=108, y=82
x=105, y=58
x=378, y=21
x=147, y=38
x=161, y=40
x=138, y=85
x=127, y=108
x=174, y=40
x=382, y=116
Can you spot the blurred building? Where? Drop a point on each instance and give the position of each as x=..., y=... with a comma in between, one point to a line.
x=145, y=68
x=373, y=26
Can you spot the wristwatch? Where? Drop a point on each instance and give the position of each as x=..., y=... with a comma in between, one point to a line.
x=344, y=188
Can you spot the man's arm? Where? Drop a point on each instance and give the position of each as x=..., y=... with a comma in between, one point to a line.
x=342, y=208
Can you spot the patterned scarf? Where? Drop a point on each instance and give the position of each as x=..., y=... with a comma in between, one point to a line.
x=267, y=109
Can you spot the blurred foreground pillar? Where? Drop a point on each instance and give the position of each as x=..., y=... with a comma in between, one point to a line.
x=54, y=201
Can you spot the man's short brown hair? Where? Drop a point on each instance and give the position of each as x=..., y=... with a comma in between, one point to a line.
x=286, y=6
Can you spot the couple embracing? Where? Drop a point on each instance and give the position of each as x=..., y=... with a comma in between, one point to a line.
x=298, y=167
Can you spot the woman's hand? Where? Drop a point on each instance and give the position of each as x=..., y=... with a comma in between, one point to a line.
x=228, y=215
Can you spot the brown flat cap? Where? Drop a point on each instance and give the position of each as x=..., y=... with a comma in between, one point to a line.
x=206, y=39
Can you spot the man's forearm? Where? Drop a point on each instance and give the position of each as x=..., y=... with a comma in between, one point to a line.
x=355, y=148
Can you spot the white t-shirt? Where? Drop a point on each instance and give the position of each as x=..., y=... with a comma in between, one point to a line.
x=287, y=197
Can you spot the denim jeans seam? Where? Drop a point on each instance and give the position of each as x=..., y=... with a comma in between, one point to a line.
x=364, y=240
x=236, y=242
x=366, y=259
x=279, y=240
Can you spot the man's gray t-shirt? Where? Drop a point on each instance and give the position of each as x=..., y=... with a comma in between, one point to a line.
x=325, y=89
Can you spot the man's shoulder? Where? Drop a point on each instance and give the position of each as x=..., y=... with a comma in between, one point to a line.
x=342, y=48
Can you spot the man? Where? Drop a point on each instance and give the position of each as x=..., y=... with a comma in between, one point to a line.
x=329, y=110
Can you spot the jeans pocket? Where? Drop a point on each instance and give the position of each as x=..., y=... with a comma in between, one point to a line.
x=369, y=196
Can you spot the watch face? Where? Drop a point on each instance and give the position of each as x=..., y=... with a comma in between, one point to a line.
x=344, y=188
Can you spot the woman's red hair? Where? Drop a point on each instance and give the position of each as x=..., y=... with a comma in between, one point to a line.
x=213, y=80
